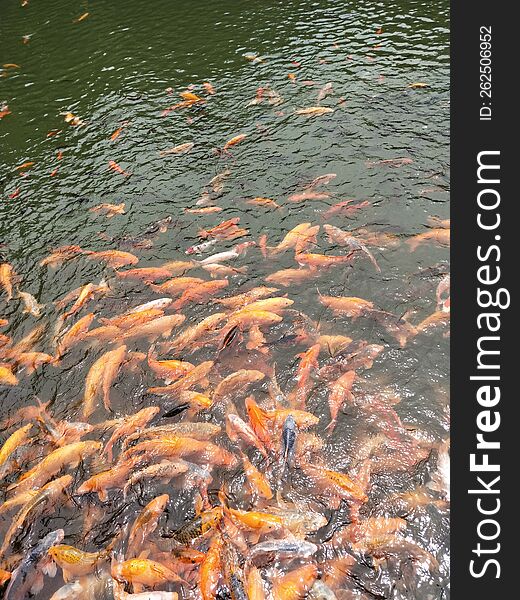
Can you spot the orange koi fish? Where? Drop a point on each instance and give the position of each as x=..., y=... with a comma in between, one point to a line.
x=115, y=167
x=210, y=569
x=146, y=523
x=295, y=585
x=309, y=194
x=191, y=97
x=113, y=258
x=129, y=425
x=66, y=456
x=350, y=306
x=31, y=361
x=60, y=255
x=200, y=293
x=101, y=377
x=183, y=104
x=42, y=501
x=114, y=478
x=142, y=571
x=345, y=207
x=333, y=344
x=13, y=442
x=335, y=483
x=7, y=275
x=256, y=520
x=302, y=418
x=219, y=229
x=169, y=370
x=308, y=361
x=242, y=300
x=439, y=236
x=315, y=261
x=340, y=390
x=162, y=326
x=127, y=321
x=177, y=285
x=180, y=149
x=164, y=471
x=287, y=277
x=313, y=111
x=236, y=382
x=234, y=141
x=300, y=236
x=82, y=296
x=264, y=202
x=204, y=210
x=255, y=587
x=25, y=165
x=257, y=480
x=176, y=446
x=259, y=422
x=109, y=210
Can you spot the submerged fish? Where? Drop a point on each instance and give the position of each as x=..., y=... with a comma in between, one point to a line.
x=6, y=279
x=31, y=304
x=289, y=432
x=109, y=210
x=28, y=576
x=180, y=149
x=314, y=111
x=284, y=548
x=43, y=500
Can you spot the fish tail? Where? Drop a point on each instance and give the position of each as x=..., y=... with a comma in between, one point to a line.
x=413, y=243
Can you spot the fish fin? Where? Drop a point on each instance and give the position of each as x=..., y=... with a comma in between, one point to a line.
x=37, y=586
x=198, y=504
x=67, y=575
x=254, y=536
x=49, y=567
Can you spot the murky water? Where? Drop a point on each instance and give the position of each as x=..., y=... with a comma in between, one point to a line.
x=121, y=67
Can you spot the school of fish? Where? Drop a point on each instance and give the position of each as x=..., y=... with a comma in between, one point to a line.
x=217, y=469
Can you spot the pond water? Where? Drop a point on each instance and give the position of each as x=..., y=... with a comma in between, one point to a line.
x=386, y=141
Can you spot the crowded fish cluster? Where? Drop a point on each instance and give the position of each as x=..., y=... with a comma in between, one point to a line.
x=196, y=461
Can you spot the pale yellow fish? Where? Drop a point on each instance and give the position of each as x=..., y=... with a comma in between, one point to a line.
x=314, y=111
x=109, y=210
x=81, y=18
x=180, y=149
x=14, y=441
x=31, y=304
